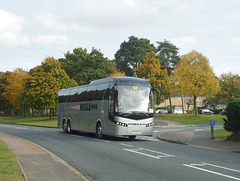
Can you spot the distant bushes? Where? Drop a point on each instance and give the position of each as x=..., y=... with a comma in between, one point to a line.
x=157, y=108
x=216, y=111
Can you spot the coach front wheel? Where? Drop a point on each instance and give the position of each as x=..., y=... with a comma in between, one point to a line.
x=99, y=131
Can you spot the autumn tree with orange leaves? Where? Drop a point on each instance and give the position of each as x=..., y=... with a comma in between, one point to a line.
x=194, y=76
x=151, y=69
x=16, y=82
x=45, y=82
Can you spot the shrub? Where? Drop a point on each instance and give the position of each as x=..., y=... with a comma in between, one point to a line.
x=216, y=111
x=157, y=108
x=232, y=123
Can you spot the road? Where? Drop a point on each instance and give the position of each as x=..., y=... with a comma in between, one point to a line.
x=141, y=159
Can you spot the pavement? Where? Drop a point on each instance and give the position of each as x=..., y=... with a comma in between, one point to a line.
x=38, y=164
x=35, y=160
x=198, y=138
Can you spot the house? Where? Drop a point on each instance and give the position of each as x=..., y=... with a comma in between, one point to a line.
x=187, y=101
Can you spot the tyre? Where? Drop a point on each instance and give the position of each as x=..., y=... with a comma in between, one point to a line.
x=69, y=130
x=64, y=126
x=99, y=131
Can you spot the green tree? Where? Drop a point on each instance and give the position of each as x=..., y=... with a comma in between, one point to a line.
x=84, y=67
x=168, y=55
x=131, y=54
x=230, y=86
x=194, y=76
x=151, y=69
x=45, y=82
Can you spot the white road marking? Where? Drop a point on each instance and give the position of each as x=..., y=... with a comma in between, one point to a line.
x=76, y=136
x=126, y=145
x=149, y=153
x=197, y=166
x=221, y=167
x=199, y=130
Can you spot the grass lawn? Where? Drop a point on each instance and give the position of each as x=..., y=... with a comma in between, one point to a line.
x=221, y=134
x=190, y=118
x=9, y=168
x=36, y=120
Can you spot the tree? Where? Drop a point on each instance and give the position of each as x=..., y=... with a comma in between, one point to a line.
x=131, y=54
x=230, y=86
x=84, y=67
x=15, y=87
x=168, y=56
x=151, y=69
x=194, y=76
x=45, y=82
x=116, y=73
x=4, y=104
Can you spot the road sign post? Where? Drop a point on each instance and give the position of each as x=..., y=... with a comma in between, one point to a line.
x=212, y=123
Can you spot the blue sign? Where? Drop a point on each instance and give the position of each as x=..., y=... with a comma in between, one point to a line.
x=212, y=121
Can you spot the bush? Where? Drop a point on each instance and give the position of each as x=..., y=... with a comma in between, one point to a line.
x=216, y=111
x=157, y=108
x=232, y=123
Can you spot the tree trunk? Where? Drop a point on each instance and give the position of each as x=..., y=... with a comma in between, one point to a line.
x=170, y=102
x=50, y=117
x=23, y=111
x=195, y=105
x=182, y=104
x=12, y=111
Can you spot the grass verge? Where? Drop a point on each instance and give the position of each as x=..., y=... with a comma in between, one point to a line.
x=36, y=120
x=9, y=168
x=221, y=134
x=190, y=118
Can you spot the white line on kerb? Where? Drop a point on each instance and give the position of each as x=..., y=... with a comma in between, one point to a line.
x=213, y=172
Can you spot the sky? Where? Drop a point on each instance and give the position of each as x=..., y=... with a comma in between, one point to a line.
x=31, y=30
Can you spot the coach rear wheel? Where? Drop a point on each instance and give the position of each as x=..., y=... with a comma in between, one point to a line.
x=99, y=131
x=69, y=127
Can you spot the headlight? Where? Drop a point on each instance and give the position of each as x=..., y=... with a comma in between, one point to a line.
x=121, y=124
x=149, y=124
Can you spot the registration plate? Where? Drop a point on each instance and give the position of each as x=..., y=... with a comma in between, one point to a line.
x=136, y=132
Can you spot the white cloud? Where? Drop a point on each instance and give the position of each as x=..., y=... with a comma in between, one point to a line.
x=50, y=39
x=186, y=40
x=11, y=30
x=129, y=13
x=50, y=22
x=236, y=40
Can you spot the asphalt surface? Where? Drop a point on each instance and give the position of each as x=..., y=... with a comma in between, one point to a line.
x=36, y=160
